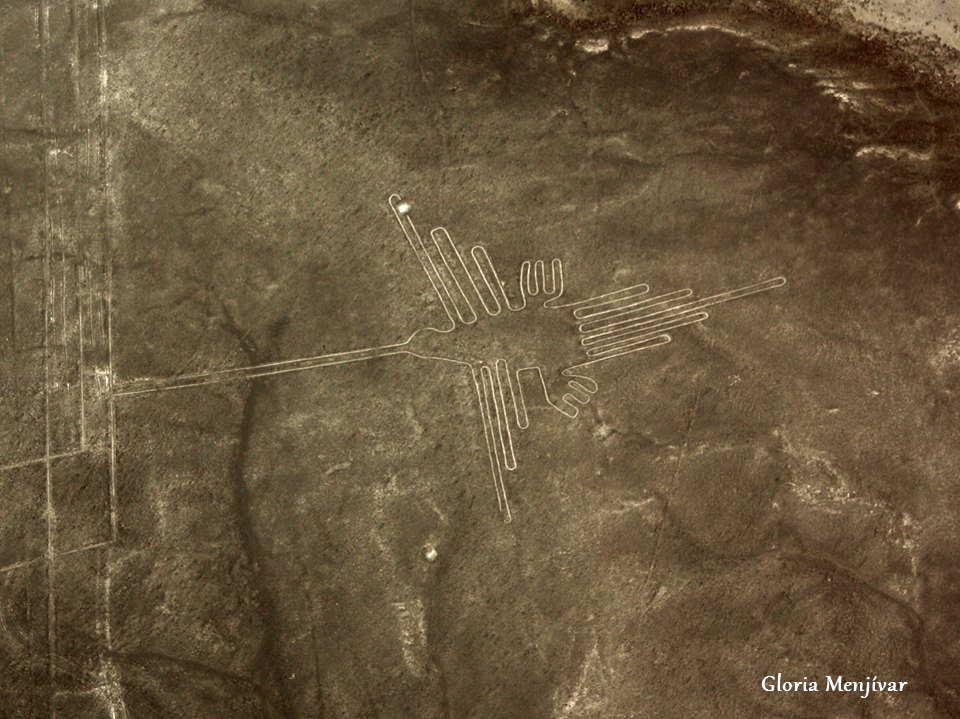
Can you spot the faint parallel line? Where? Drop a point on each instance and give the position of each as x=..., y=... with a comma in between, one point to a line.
x=41, y=460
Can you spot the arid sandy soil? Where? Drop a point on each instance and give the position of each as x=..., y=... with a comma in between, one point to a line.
x=190, y=188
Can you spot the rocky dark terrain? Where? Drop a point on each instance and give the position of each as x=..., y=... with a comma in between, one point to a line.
x=189, y=188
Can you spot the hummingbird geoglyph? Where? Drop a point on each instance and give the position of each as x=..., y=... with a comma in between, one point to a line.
x=524, y=344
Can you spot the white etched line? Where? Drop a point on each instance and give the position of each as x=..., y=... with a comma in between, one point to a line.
x=720, y=298
x=552, y=280
x=494, y=415
x=578, y=392
x=510, y=455
x=621, y=351
x=484, y=397
x=254, y=371
x=540, y=276
x=631, y=312
x=48, y=317
x=448, y=281
x=487, y=433
x=581, y=390
x=86, y=548
x=81, y=278
x=575, y=401
x=617, y=304
x=532, y=280
x=607, y=297
x=401, y=211
x=514, y=393
x=607, y=317
x=108, y=674
x=527, y=287
x=585, y=308
x=556, y=282
x=478, y=251
x=586, y=384
x=442, y=238
x=57, y=555
x=64, y=329
x=617, y=328
x=491, y=279
x=21, y=565
x=643, y=331
x=505, y=445
x=80, y=253
x=40, y=460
